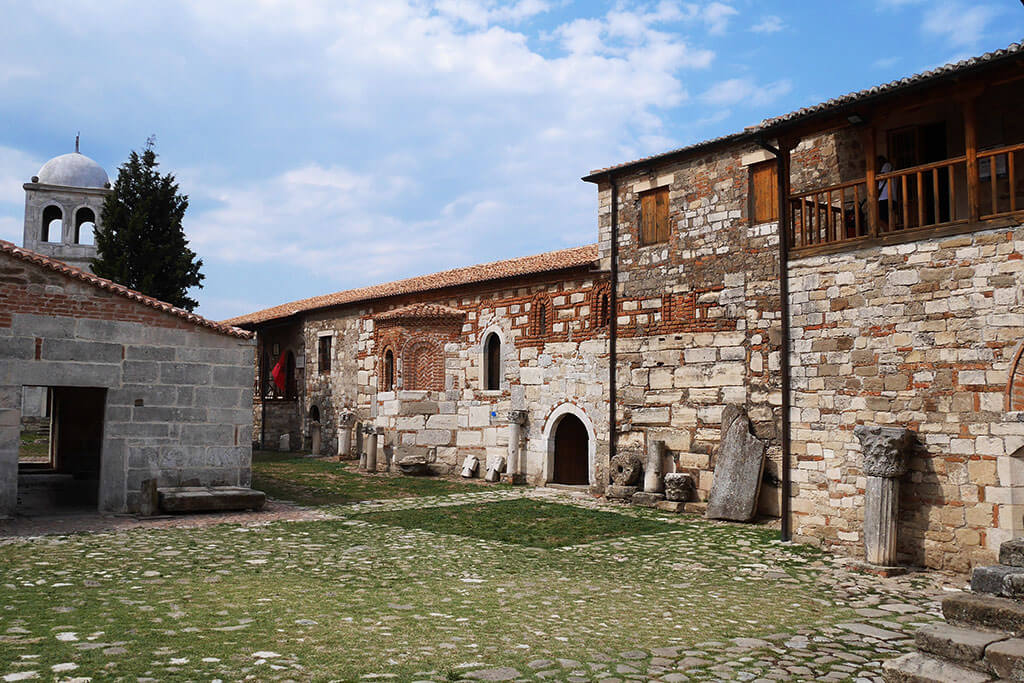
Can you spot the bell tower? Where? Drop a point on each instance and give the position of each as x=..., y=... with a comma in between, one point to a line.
x=62, y=207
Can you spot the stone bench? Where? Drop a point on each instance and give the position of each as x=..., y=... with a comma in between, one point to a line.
x=184, y=499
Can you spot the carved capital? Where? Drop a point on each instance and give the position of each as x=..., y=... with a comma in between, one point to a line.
x=886, y=449
x=517, y=416
x=371, y=429
x=346, y=419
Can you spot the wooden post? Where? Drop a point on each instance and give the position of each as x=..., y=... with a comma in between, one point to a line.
x=971, y=144
x=869, y=177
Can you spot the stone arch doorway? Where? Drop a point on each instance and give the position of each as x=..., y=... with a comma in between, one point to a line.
x=571, y=461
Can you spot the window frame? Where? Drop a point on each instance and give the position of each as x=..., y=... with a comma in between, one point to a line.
x=662, y=224
x=323, y=360
x=753, y=171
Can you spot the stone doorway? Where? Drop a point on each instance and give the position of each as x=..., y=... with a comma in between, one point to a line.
x=572, y=447
x=69, y=478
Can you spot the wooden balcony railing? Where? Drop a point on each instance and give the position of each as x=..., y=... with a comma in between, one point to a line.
x=933, y=195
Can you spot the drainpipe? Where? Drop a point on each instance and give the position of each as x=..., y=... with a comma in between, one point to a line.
x=613, y=316
x=786, y=533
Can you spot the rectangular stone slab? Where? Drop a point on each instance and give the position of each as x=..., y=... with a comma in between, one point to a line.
x=738, y=470
x=210, y=499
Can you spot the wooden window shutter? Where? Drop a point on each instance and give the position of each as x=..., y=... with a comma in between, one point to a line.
x=766, y=192
x=654, y=217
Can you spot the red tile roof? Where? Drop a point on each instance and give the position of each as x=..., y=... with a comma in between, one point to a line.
x=577, y=257
x=104, y=284
x=421, y=311
x=1013, y=51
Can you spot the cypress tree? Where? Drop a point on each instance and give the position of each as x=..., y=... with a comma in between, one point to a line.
x=140, y=242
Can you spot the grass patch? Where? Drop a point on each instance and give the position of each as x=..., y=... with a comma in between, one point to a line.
x=34, y=447
x=310, y=481
x=532, y=523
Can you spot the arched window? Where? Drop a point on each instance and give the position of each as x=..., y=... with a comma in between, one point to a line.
x=389, y=370
x=85, y=224
x=290, y=388
x=423, y=367
x=314, y=414
x=53, y=224
x=492, y=362
x=539, y=316
x=603, y=309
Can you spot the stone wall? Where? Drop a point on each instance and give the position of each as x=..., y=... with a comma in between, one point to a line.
x=178, y=395
x=698, y=316
x=922, y=335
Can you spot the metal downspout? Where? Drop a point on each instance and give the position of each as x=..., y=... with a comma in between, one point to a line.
x=613, y=321
x=786, y=533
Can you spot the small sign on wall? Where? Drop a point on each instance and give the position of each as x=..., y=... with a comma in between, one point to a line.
x=300, y=361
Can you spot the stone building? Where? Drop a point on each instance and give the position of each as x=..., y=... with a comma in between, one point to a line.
x=63, y=203
x=137, y=389
x=437, y=363
x=893, y=281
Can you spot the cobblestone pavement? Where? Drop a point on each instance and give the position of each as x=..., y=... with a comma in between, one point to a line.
x=674, y=606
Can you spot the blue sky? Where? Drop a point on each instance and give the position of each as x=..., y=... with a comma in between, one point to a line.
x=328, y=145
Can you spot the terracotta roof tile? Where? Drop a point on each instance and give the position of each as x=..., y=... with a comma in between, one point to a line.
x=421, y=311
x=107, y=285
x=923, y=78
x=577, y=257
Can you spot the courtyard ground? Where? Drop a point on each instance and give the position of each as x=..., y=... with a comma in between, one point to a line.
x=439, y=580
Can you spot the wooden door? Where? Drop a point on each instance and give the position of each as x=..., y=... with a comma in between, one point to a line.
x=571, y=447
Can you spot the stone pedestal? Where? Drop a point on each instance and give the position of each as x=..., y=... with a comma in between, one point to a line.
x=346, y=421
x=654, y=481
x=314, y=438
x=885, y=461
x=516, y=468
x=371, y=447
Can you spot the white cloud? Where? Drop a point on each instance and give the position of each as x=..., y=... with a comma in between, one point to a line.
x=961, y=25
x=716, y=16
x=769, y=24
x=745, y=90
x=16, y=168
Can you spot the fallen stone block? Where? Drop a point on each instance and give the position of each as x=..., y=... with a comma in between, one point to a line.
x=962, y=645
x=620, y=492
x=921, y=668
x=1006, y=659
x=739, y=467
x=646, y=499
x=985, y=611
x=185, y=499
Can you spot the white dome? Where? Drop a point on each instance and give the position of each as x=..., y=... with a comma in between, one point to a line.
x=73, y=170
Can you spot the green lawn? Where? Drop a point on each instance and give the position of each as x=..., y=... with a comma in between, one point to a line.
x=34, y=447
x=522, y=521
x=312, y=481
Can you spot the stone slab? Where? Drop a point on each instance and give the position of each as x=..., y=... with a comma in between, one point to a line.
x=955, y=643
x=985, y=611
x=998, y=580
x=670, y=505
x=1006, y=659
x=871, y=631
x=504, y=673
x=1011, y=553
x=186, y=499
x=878, y=569
x=647, y=499
x=697, y=508
x=620, y=492
x=739, y=467
x=921, y=668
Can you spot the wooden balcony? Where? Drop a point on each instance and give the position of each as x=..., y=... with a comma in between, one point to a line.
x=971, y=191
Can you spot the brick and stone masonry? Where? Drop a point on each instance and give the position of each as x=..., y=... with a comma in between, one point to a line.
x=178, y=388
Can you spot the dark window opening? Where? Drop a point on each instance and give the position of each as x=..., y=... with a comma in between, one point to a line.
x=85, y=226
x=492, y=362
x=290, y=387
x=324, y=355
x=654, y=217
x=603, y=309
x=389, y=370
x=53, y=224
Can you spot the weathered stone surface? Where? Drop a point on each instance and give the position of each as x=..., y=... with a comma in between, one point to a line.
x=494, y=469
x=920, y=668
x=626, y=468
x=414, y=465
x=1006, y=659
x=646, y=498
x=955, y=643
x=998, y=580
x=885, y=449
x=881, y=518
x=470, y=466
x=1011, y=553
x=670, y=505
x=679, y=486
x=654, y=467
x=504, y=673
x=738, y=470
x=986, y=611
x=209, y=499
x=621, y=492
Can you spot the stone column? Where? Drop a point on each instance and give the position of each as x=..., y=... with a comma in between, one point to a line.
x=654, y=481
x=371, y=447
x=346, y=420
x=885, y=461
x=516, y=470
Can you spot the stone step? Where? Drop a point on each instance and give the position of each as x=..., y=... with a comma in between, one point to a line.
x=183, y=499
x=918, y=667
x=1011, y=553
x=985, y=612
x=964, y=646
x=1006, y=659
x=999, y=579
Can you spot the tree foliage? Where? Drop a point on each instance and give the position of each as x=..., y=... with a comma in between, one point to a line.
x=140, y=242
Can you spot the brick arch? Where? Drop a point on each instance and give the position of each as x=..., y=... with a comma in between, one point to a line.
x=1015, y=381
x=423, y=366
x=541, y=314
x=600, y=305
